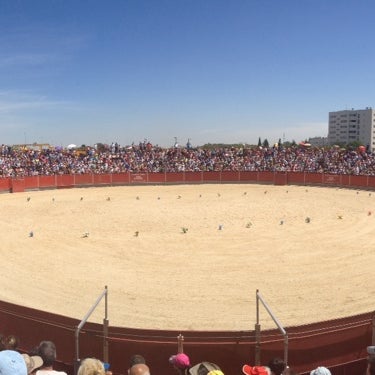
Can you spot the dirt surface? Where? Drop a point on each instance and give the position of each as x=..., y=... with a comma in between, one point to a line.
x=310, y=252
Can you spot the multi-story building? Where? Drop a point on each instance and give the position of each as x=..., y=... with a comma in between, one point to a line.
x=352, y=125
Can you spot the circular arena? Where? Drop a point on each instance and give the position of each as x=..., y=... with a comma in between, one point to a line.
x=190, y=257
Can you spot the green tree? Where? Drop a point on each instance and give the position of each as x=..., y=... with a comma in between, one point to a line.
x=265, y=143
x=354, y=145
x=259, y=142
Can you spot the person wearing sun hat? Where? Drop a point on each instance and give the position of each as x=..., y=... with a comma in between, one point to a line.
x=321, y=370
x=181, y=362
x=255, y=370
x=12, y=363
x=205, y=368
x=32, y=362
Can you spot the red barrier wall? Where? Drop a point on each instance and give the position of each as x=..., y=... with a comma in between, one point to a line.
x=331, y=342
x=280, y=179
x=297, y=178
x=267, y=177
x=331, y=179
x=276, y=178
x=47, y=182
x=228, y=176
x=174, y=177
x=313, y=178
x=105, y=179
x=360, y=181
x=18, y=186
x=121, y=178
x=371, y=181
x=138, y=178
x=213, y=176
x=31, y=182
x=83, y=179
x=193, y=177
x=156, y=178
x=64, y=180
x=249, y=176
x=5, y=184
x=345, y=180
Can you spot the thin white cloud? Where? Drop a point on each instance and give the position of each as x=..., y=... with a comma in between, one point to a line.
x=30, y=59
x=16, y=101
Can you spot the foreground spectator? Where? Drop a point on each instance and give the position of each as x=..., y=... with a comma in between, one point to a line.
x=139, y=369
x=180, y=362
x=136, y=359
x=256, y=370
x=32, y=362
x=370, y=365
x=205, y=368
x=11, y=342
x=277, y=366
x=47, y=350
x=320, y=371
x=91, y=366
x=2, y=342
x=12, y=363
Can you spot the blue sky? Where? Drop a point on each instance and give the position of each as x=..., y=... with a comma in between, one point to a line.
x=88, y=71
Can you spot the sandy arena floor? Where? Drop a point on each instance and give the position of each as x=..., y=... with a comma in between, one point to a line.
x=205, y=278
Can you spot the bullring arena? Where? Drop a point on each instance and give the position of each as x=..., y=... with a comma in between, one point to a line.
x=190, y=257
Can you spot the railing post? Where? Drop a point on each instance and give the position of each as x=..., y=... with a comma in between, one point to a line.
x=279, y=326
x=257, y=333
x=105, y=327
x=180, y=343
x=105, y=330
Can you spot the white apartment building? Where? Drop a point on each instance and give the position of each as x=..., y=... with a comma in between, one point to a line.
x=352, y=125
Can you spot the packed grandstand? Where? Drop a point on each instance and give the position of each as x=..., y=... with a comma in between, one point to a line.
x=145, y=157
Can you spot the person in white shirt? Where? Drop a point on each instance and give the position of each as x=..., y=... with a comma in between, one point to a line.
x=47, y=350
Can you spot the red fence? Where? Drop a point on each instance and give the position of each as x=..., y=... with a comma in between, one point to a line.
x=276, y=178
x=339, y=344
x=340, y=341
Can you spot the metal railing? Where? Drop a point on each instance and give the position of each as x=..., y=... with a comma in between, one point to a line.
x=257, y=330
x=105, y=328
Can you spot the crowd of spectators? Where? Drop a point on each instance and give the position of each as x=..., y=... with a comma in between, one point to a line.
x=41, y=360
x=145, y=157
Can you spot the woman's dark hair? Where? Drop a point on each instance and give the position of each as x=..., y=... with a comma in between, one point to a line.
x=276, y=365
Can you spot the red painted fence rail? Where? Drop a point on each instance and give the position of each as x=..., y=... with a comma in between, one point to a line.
x=15, y=185
x=340, y=344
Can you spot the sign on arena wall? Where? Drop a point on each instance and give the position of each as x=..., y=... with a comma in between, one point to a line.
x=331, y=179
x=138, y=177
